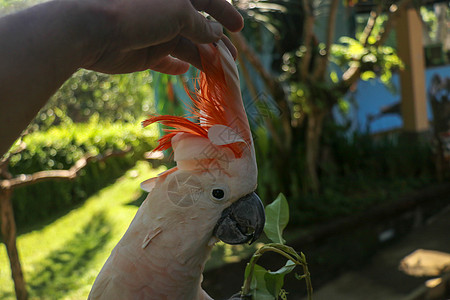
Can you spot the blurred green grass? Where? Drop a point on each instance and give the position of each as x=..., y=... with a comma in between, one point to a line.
x=62, y=259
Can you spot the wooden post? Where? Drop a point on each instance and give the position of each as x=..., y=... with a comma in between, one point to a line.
x=9, y=236
x=412, y=78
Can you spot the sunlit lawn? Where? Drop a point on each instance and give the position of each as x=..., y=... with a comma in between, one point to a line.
x=62, y=259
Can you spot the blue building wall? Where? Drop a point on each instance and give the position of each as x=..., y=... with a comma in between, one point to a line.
x=371, y=96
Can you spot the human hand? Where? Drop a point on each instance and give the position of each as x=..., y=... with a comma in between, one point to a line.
x=160, y=34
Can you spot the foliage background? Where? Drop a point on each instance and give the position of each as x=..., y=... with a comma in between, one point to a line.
x=59, y=148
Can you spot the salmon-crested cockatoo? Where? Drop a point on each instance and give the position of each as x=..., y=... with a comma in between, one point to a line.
x=209, y=195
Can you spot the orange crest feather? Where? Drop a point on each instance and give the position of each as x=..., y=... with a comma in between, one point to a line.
x=209, y=105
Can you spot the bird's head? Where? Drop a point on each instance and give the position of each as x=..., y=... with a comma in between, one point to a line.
x=215, y=178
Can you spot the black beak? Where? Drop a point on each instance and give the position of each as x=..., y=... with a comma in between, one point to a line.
x=241, y=222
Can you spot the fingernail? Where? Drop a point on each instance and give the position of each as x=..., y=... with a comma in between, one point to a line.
x=217, y=29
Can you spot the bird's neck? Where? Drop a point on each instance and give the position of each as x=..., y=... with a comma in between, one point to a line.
x=169, y=248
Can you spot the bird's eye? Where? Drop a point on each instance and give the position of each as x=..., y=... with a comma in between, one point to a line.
x=218, y=194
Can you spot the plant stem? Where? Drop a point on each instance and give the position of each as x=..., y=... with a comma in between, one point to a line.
x=309, y=288
x=285, y=251
x=248, y=279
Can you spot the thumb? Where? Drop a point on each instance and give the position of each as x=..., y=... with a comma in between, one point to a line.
x=200, y=30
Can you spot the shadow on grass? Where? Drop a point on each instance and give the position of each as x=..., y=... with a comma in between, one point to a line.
x=7, y=295
x=60, y=272
x=43, y=221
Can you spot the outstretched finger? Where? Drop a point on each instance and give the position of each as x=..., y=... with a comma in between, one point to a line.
x=201, y=30
x=222, y=11
x=187, y=51
x=171, y=65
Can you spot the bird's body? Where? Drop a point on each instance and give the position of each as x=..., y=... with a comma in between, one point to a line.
x=160, y=263
x=208, y=196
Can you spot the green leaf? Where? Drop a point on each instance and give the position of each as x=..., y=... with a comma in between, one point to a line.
x=372, y=40
x=275, y=280
x=258, y=286
x=286, y=269
x=344, y=106
x=334, y=77
x=277, y=217
x=368, y=75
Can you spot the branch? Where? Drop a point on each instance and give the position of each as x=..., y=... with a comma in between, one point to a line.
x=323, y=59
x=72, y=173
x=370, y=25
x=4, y=162
x=394, y=12
x=352, y=74
x=254, y=93
x=307, y=38
x=275, y=87
x=331, y=25
x=240, y=43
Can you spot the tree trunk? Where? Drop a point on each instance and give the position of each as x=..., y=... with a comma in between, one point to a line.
x=313, y=135
x=9, y=237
